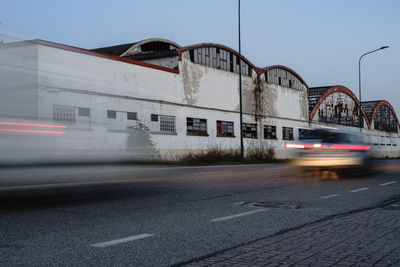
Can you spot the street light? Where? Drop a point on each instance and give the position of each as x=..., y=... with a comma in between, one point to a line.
x=240, y=90
x=359, y=80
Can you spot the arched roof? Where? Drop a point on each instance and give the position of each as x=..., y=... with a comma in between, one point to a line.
x=383, y=103
x=330, y=90
x=134, y=49
x=203, y=45
x=263, y=70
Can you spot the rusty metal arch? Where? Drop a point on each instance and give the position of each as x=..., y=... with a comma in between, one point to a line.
x=341, y=89
x=203, y=45
x=384, y=103
x=263, y=70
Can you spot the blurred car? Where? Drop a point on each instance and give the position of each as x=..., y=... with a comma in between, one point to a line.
x=328, y=149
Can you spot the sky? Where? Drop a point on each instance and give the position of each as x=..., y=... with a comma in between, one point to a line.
x=321, y=40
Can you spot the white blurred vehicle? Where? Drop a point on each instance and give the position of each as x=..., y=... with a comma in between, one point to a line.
x=327, y=149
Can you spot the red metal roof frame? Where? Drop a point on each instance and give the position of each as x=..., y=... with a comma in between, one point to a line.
x=263, y=70
x=99, y=54
x=203, y=45
x=383, y=103
x=334, y=89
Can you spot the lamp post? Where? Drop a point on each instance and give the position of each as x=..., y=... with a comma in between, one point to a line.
x=359, y=80
x=240, y=90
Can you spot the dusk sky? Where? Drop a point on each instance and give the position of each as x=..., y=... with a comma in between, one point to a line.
x=321, y=40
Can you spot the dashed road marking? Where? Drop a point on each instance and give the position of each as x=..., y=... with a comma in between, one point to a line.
x=121, y=240
x=237, y=215
x=330, y=196
x=359, y=190
x=205, y=173
x=388, y=183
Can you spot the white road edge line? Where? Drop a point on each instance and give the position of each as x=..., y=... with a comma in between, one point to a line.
x=388, y=183
x=237, y=215
x=359, y=190
x=120, y=241
x=325, y=197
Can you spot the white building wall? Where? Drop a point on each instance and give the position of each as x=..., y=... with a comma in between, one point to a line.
x=78, y=80
x=18, y=80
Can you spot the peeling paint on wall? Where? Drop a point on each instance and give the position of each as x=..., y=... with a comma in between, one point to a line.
x=191, y=75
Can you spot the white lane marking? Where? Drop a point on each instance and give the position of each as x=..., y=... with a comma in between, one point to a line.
x=359, y=190
x=204, y=173
x=325, y=197
x=388, y=183
x=120, y=241
x=237, y=215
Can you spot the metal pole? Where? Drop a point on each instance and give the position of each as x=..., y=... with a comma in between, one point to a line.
x=359, y=82
x=240, y=92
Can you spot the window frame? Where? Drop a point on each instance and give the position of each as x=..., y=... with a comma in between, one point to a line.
x=196, y=132
x=291, y=133
x=245, y=130
x=273, y=128
x=220, y=125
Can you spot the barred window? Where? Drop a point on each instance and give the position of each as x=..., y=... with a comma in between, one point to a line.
x=131, y=115
x=167, y=124
x=225, y=129
x=64, y=114
x=111, y=114
x=249, y=130
x=287, y=133
x=269, y=132
x=196, y=126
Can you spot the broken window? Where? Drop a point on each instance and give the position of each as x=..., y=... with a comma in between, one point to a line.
x=225, y=129
x=249, y=130
x=196, y=126
x=269, y=132
x=218, y=58
x=287, y=133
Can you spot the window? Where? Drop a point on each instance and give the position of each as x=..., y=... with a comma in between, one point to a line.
x=287, y=133
x=225, y=129
x=269, y=132
x=280, y=81
x=167, y=124
x=249, y=130
x=64, y=114
x=196, y=126
x=154, y=117
x=290, y=83
x=111, y=114
x=84, y=112
x=131, y=115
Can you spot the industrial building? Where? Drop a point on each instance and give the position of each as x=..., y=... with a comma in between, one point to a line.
x=186, y=98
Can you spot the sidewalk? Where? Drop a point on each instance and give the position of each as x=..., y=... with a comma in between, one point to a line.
x=366, y=238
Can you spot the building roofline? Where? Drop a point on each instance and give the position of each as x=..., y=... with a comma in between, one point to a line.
x=263, y=70
x=99, y=54
x=202, y=45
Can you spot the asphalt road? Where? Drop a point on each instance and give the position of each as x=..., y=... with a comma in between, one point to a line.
x=150, y=216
